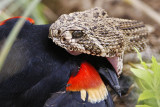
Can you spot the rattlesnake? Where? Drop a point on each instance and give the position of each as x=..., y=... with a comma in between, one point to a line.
x=94, y=32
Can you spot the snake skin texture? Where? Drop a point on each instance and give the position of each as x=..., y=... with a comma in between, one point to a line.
x=94, y=32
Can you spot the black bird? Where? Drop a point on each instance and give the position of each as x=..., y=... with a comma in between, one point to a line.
x=38, y=73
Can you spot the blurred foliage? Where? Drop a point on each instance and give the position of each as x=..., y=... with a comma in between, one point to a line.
x=11, y=8
x=148, y=80
x=14, y=32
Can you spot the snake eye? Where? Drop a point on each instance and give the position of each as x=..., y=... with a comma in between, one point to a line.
x=77, y=34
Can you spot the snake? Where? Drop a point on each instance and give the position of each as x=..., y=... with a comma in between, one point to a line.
x=93, y=32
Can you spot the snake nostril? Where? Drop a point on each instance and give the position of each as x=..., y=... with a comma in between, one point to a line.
x=59, y=31
x=64, y=39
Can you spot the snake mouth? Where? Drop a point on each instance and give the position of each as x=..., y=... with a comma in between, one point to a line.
x=75, y=53
x=112, y=60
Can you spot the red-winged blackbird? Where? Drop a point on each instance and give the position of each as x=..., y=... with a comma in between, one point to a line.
x=38, y=73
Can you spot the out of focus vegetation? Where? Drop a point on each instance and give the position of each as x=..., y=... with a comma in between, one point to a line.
x=14, y=32
x=148, y=11
x=11, y=8
x=148, y=80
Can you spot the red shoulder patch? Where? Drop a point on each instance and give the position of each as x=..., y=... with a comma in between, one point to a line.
x=27, y=18
x=88, y=81
x=87, y=77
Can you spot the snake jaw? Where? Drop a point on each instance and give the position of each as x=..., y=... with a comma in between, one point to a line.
x=116, y=61
x=74, y=52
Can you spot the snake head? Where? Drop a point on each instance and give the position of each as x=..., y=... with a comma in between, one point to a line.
x=92, y=32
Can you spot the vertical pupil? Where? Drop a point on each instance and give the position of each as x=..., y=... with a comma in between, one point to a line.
x=77, y=34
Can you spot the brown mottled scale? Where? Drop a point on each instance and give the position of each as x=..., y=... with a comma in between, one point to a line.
x=100, y=35
x=135, y=32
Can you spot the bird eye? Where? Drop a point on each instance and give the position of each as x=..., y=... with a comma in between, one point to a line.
x=77, y=34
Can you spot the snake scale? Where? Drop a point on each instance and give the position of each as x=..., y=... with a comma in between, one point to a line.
x=94, y=32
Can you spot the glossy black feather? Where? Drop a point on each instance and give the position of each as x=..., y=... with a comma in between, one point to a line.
x=109, y=101
x=36, y=68
x=73, y=99
x=46, y=69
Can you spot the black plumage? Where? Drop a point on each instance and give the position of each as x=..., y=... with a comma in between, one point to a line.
x=36, y=70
